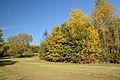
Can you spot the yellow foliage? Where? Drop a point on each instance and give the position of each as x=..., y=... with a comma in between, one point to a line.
x=92, y=42
x=78, y=18
x=103, y=14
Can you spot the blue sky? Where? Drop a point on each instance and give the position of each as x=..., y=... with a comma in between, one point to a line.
x=35, y=16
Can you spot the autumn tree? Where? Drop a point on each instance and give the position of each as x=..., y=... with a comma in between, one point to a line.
x=100, y=2
x=75, y=34
x=105, y=21
x=66, y=42
x=116, y=47
x=52, y=46
x=84, y=40
x=80, y=41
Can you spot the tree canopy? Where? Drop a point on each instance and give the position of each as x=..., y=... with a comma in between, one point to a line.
x=18, y=46
x=21, y=38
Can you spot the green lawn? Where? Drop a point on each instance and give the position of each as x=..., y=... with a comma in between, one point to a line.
x=33, y=69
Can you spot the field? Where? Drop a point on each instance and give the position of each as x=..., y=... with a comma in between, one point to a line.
x=33, y=69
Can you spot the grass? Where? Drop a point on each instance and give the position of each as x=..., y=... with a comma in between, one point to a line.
x=33, y=69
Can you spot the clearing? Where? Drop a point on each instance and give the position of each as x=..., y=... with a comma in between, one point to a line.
x=33, y=69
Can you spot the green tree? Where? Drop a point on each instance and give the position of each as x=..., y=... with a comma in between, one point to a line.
x=17, y=50
x=18, y=45
x=45, y=34
x=35, y=48
x=1, y=34
x=21, y=38
x=1, y=44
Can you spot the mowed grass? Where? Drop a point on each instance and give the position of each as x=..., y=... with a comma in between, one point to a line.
x=33, y=69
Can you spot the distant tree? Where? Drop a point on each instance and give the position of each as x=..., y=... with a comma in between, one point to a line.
x=1, y=44
x=35, y=48
x=17, y=50
x=21, y=38
x=45, y=34
x=24, y=38
x=18, y=45
x=1, y=34
x=13, y=39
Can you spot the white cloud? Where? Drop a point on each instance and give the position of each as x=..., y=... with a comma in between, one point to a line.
x=12, y=28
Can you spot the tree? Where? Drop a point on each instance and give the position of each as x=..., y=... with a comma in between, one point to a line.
x=82, y=37
x=68, y=41
x=80, y=40
x=116, y=47
x=17, y=50
x=13, y=39
x=103, y=14
x=45, y=34
x=100, y=2
x=1, y=43
x=105, y=21
x=75, y=34
x=51, y=47
x=35, y=48
x=21, y=38
x=18, y=45
x=1, y=34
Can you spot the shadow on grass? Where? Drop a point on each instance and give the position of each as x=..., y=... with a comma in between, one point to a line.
x=21, y=78
x=6, y=62
x=3, y=77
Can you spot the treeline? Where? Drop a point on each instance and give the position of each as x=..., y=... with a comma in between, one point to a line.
x=83, y=39
x=17, y=46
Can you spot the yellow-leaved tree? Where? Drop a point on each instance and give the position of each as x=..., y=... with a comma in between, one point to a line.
x=76, y=40
x=104, y=20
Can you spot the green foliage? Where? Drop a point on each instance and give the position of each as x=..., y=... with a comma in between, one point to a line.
x=1, y=34
x=45, y=34
x=18, y=46
x=35, y=48
x=17, y=50
x=21, y=38
x=1, y=44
